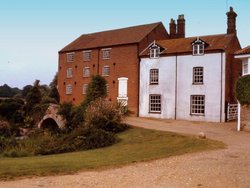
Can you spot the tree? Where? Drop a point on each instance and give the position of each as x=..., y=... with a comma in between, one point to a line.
x=53, y=89
x=7, y=91
x=26, y=90
x=96, y=89
x=33, y=97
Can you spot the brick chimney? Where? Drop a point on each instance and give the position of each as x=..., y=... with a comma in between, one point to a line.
x=181, y=26
x=172, y=28
x=231, y=21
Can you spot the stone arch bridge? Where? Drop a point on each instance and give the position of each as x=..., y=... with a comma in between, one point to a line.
x=52, y=119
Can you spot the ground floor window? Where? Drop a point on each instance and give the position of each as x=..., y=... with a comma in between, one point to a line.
x=197, y=105
x=155, y=103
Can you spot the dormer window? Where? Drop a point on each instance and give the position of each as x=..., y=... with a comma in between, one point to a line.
x=198, y=47
x=154, y=51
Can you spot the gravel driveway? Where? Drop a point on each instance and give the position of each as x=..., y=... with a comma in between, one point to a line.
x=222, y=168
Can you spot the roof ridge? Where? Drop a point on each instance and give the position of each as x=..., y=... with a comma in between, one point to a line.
x=129, y=27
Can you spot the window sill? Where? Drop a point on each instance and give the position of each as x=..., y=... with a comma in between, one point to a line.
x=203, y=115
x=105, y=58
x=154, y=112
x=198, y=83
x=105, y=75
x=154, y=84
x=198, y=54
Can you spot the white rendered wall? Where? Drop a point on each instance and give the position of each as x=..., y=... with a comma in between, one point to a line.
x=166, y=86
x=211, y=88
x=214, y=104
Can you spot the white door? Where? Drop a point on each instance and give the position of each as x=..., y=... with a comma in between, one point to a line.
x=123, y=90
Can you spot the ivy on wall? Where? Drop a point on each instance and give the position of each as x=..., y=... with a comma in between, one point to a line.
x=243, y=90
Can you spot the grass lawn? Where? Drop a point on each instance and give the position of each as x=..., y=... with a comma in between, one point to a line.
x=135, y=145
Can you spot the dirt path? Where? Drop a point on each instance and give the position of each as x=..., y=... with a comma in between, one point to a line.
x=223, y=168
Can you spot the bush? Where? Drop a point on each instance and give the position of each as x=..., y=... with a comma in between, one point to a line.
x=103, y=114
x=5, y=129
x=79, y=139
x=243, y=89
x=96, y=89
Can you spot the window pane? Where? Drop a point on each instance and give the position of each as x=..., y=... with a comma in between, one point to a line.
x=198, y=75
x=154, y=76
x=155, y=103
x=197, y=104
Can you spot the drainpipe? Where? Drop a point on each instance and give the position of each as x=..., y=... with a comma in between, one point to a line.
x=221, y=86
x=175, y=108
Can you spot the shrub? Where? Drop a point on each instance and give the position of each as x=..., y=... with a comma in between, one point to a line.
x=96, y=89
x=103, y=114
x=243, y=89
x=5, y=129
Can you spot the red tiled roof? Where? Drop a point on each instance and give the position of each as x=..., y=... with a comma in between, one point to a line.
x=127, y=35
x=184, y=45
x=243, y=51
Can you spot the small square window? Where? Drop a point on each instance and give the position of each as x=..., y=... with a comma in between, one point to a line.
x=155, y=103
x=198, y=49
x=155, y=52
x=197, y=105
x=198, y=75
x=69, y=73
x=84, y=89
x=154, y=76
x=70, y=56
x=106, y=71
x=69, y=89
x=86, y=72
x=106, y=53
x=86, y=55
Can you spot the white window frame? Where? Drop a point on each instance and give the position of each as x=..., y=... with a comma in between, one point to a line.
x=197, y=105
x=69, y=89
x=105, y=71
x=69, y=73
x=154, y=76
x=198, y=49
x=245, y=68
x=155, y=103
x=106, y=53
x=70, y=56
x=154, y=52
x=198, y=75
x=87, y=55
x=84, y=89
x=86, y=72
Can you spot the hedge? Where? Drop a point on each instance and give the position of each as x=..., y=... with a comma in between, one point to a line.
x=243, y=90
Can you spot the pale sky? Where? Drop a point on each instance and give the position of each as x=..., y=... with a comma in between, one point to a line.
x=33, y=31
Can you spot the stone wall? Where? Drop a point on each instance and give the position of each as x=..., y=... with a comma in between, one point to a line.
x=245, y=117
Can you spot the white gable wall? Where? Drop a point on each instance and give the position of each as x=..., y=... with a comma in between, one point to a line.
x=214, y=100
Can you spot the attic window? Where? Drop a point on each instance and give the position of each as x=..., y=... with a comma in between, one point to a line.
x=70, y=56
x=154, y=51
x=198, y=47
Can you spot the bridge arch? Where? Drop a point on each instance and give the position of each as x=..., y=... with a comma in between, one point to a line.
x=51, y=119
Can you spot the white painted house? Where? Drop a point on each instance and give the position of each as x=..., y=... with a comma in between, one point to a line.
x=188, y=78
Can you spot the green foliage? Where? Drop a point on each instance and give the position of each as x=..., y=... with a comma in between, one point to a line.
x=243, y=90
x=33, y=97
x=11, y=110
x=54, y=94
x=103, y=114
x=26, y=90
x=7, y=91
x=96, y=89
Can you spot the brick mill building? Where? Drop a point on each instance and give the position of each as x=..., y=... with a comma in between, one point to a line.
x=141, y=64
x=113, y=54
